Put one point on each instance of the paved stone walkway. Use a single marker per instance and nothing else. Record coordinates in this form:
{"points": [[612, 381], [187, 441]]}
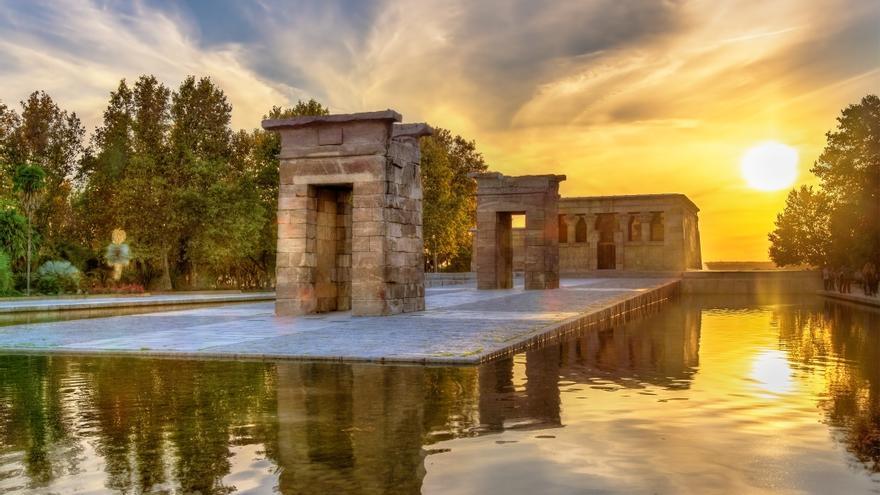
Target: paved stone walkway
{"points": [[856, 296], [37, 305], [460, 325]]}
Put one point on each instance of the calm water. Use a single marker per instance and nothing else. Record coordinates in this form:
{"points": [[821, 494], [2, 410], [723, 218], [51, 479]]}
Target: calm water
{"points": [[708, 395]]}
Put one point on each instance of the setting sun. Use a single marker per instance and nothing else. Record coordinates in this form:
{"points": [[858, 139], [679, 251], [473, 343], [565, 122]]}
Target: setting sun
{"points": [[770, 166]]}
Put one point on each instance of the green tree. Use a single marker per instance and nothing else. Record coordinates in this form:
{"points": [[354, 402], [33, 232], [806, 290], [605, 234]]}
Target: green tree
{"points": [[9, 121], [52, 138], [802, 232], [5, 274], [840, 223], [13, 232], [143, 203], [29, 182], [102, 168], [449, 198], [849, 168]]}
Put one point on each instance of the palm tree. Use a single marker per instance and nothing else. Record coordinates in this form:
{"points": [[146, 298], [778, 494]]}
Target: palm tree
{"points": [[28, 182]]}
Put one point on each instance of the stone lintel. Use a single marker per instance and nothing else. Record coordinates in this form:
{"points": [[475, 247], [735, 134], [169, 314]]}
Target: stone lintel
{"points": [[547, 180], [295, 122], [413, 130]]}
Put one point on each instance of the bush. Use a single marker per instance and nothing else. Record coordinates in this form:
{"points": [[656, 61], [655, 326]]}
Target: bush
{"points": [[57, 277], [5, 275], [13, 233]]}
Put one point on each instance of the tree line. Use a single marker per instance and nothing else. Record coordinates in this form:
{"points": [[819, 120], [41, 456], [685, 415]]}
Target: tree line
{"points": [[196, 198], [837, 224]]}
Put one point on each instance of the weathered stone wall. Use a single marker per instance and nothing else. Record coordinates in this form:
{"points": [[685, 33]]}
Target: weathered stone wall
{"points": [[371, 166], [637, 247], [678, 250], [498, 197], [757, 282]]}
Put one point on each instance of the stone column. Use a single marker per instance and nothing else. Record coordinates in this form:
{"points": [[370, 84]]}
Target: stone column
{"points": [[645, 218], [592, 242], [571, 223], [620, 239]]}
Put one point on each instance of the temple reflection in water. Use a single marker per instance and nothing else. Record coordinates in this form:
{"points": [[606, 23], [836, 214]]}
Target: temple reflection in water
{"points": [[138, 425]]}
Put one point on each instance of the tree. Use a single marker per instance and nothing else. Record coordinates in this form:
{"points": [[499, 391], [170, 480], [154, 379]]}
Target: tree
{"points": [[802, 230], [840, 223], [849, 169], [29, 182], [449, 198], [103, 166], [52, 138], [9, 121], [143, 200], [13, 232]]}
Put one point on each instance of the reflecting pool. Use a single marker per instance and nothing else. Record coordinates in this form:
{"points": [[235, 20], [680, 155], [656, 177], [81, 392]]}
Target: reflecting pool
{"points": [[707, 395]]}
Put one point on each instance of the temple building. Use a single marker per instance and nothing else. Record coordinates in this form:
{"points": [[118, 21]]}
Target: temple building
{"points": [[631, 233]]}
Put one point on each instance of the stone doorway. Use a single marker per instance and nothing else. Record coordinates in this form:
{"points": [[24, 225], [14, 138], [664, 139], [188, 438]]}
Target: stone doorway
{"points": [[333, 248], [499, 200], [365, 169], [504, 249], [605, 256], [605, 250]]}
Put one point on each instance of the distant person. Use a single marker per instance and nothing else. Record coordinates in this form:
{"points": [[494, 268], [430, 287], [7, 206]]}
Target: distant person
{"points": [[827, 278], [846, 278], [870, 279]]}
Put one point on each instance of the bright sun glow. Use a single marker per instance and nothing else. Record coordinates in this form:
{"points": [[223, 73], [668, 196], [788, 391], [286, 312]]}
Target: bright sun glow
{"points": [[772, 373], [770, 166]]}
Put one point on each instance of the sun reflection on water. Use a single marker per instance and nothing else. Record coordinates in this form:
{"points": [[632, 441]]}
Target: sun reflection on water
{"points": [[772, 372]]}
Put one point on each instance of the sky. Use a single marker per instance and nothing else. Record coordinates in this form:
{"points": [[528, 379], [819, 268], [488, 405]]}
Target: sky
{"points": [[623, 97]]}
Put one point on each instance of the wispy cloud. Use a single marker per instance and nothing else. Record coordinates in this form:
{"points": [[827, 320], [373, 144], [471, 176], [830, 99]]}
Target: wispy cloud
{"points": [[623, 96]]}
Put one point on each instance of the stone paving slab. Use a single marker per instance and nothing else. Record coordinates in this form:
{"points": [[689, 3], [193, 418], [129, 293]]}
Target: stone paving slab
{"points": [[854, 297], [25, 305], [460, 325]]}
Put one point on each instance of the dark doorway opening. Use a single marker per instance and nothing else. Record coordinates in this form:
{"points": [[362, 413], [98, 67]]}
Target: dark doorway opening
{"points": [[504, 253], [333, 248], [605, 250]]}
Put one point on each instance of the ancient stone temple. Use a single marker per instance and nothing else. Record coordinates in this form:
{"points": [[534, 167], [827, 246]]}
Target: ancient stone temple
{"points": [[499, 199], [633, 233], [601, 235], [349, 215]]}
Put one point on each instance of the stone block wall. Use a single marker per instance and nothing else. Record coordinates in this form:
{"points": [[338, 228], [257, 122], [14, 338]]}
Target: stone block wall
{"points": [[498, 197], [349, 215]]}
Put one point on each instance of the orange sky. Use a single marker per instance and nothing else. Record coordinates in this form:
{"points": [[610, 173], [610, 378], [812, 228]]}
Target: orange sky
{"points": [[622, 97]]}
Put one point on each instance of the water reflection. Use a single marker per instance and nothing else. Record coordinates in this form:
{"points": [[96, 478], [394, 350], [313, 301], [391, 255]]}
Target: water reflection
{"points": [[669, 396]]}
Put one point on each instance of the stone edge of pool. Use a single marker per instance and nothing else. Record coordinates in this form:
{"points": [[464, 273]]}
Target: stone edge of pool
{"points": [[609, 315], [119, 302]]}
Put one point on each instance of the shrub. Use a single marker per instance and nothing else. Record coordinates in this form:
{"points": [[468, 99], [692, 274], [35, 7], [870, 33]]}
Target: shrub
{"points": [[13, 232], [57, 277], [5, 275]]}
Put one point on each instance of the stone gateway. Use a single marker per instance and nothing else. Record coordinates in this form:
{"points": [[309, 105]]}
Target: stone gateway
{"points": [[499, 198], [349, 215]]}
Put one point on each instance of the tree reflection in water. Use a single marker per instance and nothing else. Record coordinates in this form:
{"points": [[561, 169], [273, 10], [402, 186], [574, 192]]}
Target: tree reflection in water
{"points": [[842, 342], [161, 425]]}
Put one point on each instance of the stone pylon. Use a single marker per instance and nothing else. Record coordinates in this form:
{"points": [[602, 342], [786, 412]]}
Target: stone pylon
{"points": [[349, 214]]}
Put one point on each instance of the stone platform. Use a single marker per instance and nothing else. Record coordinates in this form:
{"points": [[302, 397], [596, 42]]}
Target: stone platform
{"points": [[460, 326]]}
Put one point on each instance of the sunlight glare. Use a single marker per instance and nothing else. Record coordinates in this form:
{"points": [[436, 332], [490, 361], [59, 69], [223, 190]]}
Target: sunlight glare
{"points": [[772, 372], [770, 166]]}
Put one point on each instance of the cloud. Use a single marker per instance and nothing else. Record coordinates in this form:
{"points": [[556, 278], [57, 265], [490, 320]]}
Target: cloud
{"points": [[78, 51], [622, 96]]}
